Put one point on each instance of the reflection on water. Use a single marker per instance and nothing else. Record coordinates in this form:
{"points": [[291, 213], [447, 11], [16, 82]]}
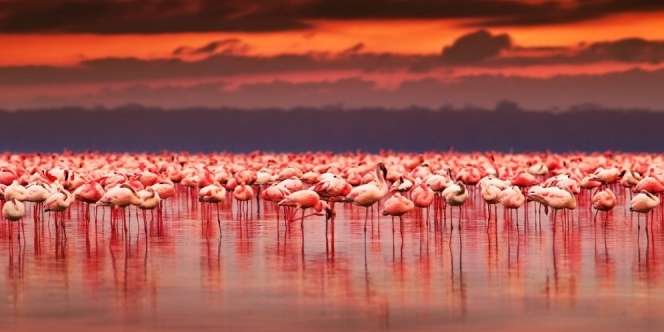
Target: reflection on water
{"points": [[416, 275]]}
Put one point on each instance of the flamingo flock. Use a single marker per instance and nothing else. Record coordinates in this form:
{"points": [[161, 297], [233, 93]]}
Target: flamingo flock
{"points": [[298, 186]]}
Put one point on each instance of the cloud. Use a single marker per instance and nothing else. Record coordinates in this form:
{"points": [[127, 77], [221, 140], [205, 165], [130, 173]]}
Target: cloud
{"points": [[484, 49], [475, 47], [357, 48], [629, 89], [626, 50], [225, 58], [231, 46], [221, 64], [145, 16], [556, 12], [229, 58], [161, 16]]}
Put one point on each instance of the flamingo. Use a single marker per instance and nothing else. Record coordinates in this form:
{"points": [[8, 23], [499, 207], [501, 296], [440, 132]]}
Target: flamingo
{"points": [[649, 184], [554, 198], [274, 193], [368, 194], [402, 185], [589, 182], [512, 198], [455, 195], [643, 203], [332, 188], [147, 178], [37, 192], [491, 196], [437, 183], [119, 197], [89, 193], [149, 200], [303, 200], [310, 177], [165, 189], [397, 206], [630, 178], [7, 176], [538, 169], [606, 175], [243, 193], [59, 202], [14, 211], [492, 180], [603, 200], [422, 197], [213, 194], [524, 180], [264, 177], [15, 191]]}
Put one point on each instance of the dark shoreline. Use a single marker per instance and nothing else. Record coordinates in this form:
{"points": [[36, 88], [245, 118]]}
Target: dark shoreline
{"points": [[137, 128]]}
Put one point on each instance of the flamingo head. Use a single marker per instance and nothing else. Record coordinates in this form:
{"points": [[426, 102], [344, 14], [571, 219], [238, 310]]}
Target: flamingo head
{"points": [[622, 173], [462, 189]]}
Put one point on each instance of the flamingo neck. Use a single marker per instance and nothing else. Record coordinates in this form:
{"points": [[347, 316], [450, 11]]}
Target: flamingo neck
{"points": [[381, 178]]}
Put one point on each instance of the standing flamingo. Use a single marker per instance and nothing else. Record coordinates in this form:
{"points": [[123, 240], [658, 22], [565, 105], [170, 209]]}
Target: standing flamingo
{"points": [[455, 195], [422, 197], [303, 200], [554, 198], [397, 206], [491, 196], [643, 203], [59, 202], [603, 200], [213, 194], [367, 195], [243, 193], [512, 198], [14, 211]]}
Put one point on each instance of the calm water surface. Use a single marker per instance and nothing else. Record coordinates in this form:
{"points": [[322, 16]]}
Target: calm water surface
{"points": [[485, 276]]}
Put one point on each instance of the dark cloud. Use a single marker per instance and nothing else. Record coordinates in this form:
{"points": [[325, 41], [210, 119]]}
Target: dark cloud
{"points": [[626, 50], [552, 12], [476, 47], [217, 65], [227, 58], [630, 89], [484, 49], [353, 49], [231, 46], [145, 16], [159, 16]]}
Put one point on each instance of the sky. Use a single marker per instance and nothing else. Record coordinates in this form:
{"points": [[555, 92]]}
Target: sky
{"points": [[544, 55]]}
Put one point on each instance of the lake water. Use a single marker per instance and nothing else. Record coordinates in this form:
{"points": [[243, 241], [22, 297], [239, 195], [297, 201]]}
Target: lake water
{"points": [[412, 276]]}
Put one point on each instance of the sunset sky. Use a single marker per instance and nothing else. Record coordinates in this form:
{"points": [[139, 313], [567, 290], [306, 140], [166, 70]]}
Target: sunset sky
{"points": [[287, 53]]}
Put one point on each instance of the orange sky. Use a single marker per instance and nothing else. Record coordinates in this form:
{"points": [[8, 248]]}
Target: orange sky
{"points": [[396, 36], [394, 52]]}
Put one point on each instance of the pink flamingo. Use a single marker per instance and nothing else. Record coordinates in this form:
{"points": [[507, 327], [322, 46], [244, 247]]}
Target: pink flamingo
{"points": [[422, 197], [368, 194], [603, 200]]}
